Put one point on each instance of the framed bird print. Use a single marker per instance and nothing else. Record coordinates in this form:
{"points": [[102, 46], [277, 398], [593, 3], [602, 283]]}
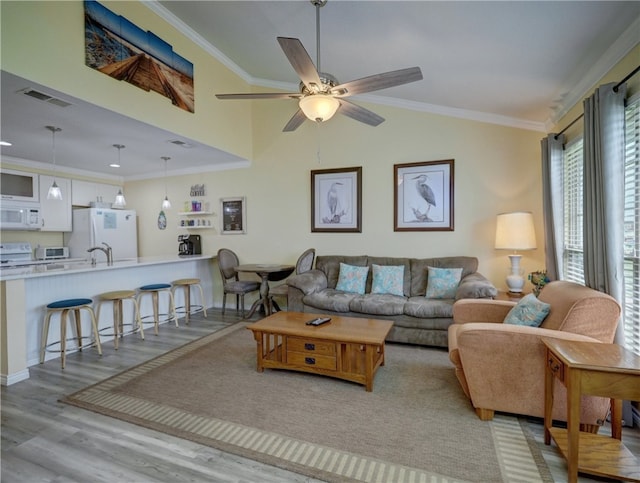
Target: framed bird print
{"points": [[423, 196], [336, 200]]}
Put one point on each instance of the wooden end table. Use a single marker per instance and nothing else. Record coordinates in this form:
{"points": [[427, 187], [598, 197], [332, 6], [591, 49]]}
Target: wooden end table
{"points": [[347, 348], [597, 369]]}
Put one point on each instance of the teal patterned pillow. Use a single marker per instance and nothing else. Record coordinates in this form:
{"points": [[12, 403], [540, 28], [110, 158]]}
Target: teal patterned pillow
{"points": [[529, 311], [352, 278], [388, 279], [443, 282]]}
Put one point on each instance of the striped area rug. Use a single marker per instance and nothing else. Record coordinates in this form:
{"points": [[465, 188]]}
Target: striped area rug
{"points": [[510, 455]]}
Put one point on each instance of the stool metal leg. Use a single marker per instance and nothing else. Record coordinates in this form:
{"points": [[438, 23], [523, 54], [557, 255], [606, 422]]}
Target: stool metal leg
{"points": [[45, 335]]}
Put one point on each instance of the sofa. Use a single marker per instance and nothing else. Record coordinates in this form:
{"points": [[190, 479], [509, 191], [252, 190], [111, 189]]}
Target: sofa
{"points": [[417, 319], [501, 367]]}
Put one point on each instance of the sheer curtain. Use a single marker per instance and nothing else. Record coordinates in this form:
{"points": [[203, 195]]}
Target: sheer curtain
{"points": [[552, 147], [604, 193]]}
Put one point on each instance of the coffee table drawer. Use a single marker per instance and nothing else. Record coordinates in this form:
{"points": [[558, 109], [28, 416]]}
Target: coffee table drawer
{"points": [[315, 346], [305, 359]]}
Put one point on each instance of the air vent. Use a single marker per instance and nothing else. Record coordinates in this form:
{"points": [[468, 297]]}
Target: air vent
{"points": [[41, 96], [182, 144]]}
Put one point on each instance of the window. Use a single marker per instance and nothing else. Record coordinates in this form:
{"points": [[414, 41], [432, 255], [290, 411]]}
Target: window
{"points": [[632, 227], [573, 267]]}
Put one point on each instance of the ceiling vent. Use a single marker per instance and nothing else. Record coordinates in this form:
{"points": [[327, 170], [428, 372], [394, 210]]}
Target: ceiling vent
{"points": [[182, 144], [41, 96]]}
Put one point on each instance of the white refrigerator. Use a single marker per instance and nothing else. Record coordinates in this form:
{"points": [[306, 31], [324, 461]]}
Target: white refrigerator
{"points": [[94, 226]]}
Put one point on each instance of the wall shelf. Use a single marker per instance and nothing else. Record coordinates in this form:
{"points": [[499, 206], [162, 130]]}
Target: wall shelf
{"points": [[194, 213]]}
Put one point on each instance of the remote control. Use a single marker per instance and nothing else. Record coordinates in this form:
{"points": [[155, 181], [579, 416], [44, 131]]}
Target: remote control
{"points": [[319, 321]]}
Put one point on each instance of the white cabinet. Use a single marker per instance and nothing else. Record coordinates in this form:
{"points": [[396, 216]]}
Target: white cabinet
{"points": [[55, 214], [84, 192]]}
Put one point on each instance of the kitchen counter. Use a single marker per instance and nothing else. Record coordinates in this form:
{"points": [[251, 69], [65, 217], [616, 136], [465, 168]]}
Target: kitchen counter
{"points": [[56, 267], [26, 290]]}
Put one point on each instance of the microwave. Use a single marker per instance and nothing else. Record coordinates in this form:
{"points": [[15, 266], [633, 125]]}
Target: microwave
{"points": [[19, 186], [51, 253], [15, 216]]}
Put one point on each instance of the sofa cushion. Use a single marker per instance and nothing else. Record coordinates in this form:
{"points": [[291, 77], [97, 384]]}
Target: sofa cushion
{"points": [[424, 308], [329, 299], [352, 279], [475, 286], [419, 270], [387, 279], [443, 282], [330, 265], [378, 304], [528, 311], [391, 261]]}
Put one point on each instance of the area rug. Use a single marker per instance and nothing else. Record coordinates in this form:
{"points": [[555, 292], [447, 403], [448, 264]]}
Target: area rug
{"points": [[415, 426]]}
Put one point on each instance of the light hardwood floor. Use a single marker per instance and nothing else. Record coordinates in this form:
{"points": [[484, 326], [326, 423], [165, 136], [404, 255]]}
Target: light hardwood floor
{"points": [[47, 441]]}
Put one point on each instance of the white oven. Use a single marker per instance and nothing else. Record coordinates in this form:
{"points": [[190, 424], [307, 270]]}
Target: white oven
{"points": [[16, 216], [19, 186]]}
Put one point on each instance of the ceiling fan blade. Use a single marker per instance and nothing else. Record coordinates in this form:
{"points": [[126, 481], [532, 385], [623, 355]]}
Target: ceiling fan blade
{"points": [[295, 122], [378, 81], [263, 95], [359, 113], [301, 62]]}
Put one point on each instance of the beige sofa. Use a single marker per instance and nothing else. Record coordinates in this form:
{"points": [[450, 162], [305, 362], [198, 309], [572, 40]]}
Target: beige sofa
{"points": [[416, 319], [501, 366]]}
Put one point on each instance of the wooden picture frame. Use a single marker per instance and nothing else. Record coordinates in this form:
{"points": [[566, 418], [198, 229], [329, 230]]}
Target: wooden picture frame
{"points": [[233, 216], [423, 196], [336, 200]]}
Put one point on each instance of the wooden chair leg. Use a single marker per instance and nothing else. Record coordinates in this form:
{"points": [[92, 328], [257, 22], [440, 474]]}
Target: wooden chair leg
{"points": [[485, 414]]}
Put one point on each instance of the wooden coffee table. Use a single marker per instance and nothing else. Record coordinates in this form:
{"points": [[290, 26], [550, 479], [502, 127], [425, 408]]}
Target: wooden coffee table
{"points": [[347, 348]]}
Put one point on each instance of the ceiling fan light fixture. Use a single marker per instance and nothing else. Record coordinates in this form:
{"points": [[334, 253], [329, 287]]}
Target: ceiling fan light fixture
{"points": [[319, 107]]}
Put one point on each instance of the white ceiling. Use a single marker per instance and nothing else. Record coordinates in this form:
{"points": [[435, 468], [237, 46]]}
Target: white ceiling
{"points": [[516, 63]]}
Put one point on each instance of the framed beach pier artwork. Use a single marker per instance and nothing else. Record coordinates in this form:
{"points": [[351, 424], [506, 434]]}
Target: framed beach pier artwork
{"points": [[336, 200], [423, 196]]}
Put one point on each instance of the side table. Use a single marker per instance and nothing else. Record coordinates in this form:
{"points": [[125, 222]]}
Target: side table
{"points": [[597, 369], [509, 296]]}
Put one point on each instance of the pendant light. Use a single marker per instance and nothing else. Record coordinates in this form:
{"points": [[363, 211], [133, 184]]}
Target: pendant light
{"points": [[119, 202], [166, 204], [54, 192]]}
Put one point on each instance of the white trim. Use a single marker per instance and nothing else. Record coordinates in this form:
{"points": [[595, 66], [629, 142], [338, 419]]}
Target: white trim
{"points": [[195, 170], [15, 377], [47, 167]]}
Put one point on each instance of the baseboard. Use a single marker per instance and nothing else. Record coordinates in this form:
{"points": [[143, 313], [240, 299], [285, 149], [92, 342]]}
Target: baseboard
{"points": [[13, 378]]}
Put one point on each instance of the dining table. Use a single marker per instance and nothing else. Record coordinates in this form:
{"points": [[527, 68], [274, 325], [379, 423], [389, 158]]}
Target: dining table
{"points": [[266, 272]]}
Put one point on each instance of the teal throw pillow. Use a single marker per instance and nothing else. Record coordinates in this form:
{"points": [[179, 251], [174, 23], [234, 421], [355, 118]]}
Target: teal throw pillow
{"points": [[388, 279], [352, 279], [528, 311], [443, 282]]}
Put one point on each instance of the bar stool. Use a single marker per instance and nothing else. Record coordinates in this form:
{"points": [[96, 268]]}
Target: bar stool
{"points": [[155, 290], [117, 299], [188, 308], [63, 307]]}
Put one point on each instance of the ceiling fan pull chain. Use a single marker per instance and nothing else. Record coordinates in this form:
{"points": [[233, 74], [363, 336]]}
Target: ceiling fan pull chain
{"points": [[318, 141]]}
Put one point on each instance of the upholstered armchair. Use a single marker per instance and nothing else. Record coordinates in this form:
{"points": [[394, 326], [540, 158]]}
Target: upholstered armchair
{"points": [[501, 366]]}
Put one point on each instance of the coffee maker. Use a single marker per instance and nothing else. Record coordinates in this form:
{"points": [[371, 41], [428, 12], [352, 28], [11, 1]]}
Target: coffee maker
{"points": [[189, 245]]}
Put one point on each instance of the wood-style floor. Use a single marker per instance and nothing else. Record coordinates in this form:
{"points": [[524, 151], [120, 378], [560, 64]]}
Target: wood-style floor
{"points": [[46, 441]]}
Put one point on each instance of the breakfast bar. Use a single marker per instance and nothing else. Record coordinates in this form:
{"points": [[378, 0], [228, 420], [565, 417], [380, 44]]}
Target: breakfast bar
{"points": [[26, 290]]}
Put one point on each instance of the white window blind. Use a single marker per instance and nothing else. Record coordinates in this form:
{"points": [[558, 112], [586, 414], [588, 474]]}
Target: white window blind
{"points": [[632, 227], [573, 266]]}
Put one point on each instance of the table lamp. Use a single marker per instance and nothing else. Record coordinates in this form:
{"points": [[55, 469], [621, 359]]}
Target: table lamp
{"points": [[514, 231]]}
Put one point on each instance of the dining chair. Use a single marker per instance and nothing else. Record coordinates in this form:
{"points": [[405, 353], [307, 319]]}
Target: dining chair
{"points": [[227, 261], [304, 264]]}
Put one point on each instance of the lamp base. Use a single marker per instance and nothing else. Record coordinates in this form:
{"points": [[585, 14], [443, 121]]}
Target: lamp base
{"points": [[515, 280]]}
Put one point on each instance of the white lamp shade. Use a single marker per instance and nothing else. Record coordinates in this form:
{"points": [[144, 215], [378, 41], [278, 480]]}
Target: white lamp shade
{"points": [[166, 204], [119, 202], [514, 231], [319, 107], [54, 192]]}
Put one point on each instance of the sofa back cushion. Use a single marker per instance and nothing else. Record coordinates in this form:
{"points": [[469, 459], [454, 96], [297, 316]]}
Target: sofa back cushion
{"points": [[581, 310], [420, 270]]}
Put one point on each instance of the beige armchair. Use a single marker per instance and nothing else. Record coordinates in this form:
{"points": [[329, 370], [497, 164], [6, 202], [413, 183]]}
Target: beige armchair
{"points": [[501, 366]]}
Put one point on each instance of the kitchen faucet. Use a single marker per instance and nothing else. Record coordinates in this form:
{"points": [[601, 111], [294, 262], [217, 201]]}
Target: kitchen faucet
{"points": [[107, 251]]}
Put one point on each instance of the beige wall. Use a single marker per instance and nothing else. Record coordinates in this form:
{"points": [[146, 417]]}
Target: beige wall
{"points": [[497, 168]]}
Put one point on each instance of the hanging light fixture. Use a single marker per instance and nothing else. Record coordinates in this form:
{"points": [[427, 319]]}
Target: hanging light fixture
{"points": [[54, 192], [166, 204], [120, 202]]}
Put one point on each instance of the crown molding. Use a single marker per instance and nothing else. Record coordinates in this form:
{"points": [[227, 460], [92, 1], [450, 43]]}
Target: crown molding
{"points": [[48, 168]]}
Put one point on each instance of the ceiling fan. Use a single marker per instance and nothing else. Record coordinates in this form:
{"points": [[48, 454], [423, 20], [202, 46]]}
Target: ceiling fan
{"points": [[321, 96]]}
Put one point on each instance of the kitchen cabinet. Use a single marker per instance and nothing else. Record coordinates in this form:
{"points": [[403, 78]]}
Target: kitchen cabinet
{"points": [[84, 192], [55, 215]]}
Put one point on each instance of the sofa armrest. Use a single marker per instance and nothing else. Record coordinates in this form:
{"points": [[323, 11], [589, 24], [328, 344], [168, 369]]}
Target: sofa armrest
{"points": [[475, 286], [308, 282], [481, 310]]}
